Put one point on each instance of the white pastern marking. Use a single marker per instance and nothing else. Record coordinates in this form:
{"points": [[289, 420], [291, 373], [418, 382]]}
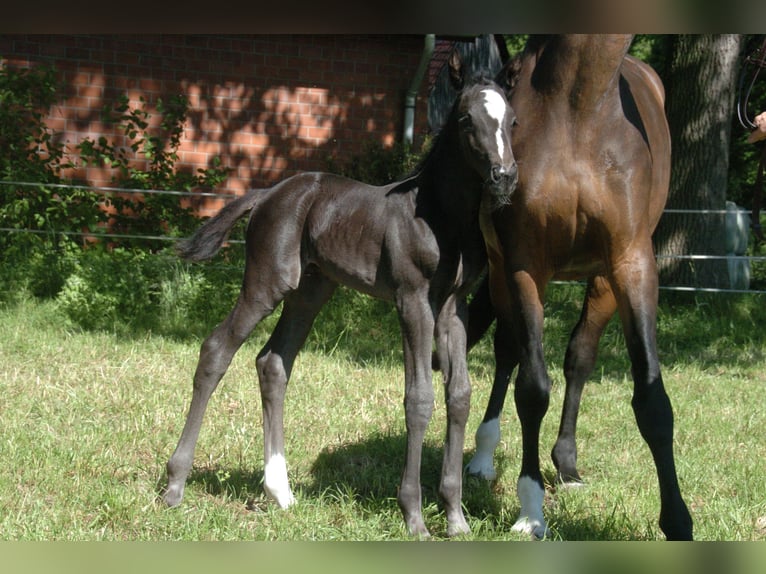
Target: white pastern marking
{"points": [[275, 481], [495, 106], [487, 439], [531, 520]]}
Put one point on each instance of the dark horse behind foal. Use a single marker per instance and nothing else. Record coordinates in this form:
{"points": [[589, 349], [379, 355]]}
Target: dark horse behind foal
{"points": [[416, 242], [593, 150]]}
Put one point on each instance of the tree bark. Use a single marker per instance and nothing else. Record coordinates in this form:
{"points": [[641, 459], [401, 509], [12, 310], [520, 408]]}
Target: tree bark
{"points": [[700, 86]]}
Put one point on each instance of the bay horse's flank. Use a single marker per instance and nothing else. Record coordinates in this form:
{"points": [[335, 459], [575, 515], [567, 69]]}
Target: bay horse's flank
{"points": [[593, 150], [416, 242]]}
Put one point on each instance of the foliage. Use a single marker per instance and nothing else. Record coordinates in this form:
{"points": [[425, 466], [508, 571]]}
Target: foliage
{"points": [[56, 217], [378, 164], [127, 290], [31, 152], [515, 43], [150, 214]]}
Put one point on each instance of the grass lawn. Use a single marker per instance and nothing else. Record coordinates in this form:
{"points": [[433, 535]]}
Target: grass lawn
{"points": [[90, 418]]}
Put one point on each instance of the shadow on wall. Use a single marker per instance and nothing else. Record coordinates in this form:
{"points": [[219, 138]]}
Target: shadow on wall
{"points": [[268, 106]]}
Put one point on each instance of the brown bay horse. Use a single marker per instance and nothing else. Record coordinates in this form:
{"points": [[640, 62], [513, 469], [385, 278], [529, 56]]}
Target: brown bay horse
{"points": [[416, 242], [593, 152]]}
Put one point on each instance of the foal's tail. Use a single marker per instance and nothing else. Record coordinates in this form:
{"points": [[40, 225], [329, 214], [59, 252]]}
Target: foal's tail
{"points": [[209, 238]]}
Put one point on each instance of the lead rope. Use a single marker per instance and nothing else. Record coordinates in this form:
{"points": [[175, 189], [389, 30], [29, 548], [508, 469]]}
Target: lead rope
{"points": [[758, 60]]}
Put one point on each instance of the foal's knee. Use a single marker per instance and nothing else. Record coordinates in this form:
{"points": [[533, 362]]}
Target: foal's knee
{"points": [[418, 408], [459, 402], [271, 373]]}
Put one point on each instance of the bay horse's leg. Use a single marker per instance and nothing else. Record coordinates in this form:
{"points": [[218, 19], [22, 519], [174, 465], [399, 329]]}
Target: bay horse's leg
{"points": [[451, 349], [531, 394], [597, 310], [488, 434], [636, 285], [417, 324], [274, 365], [215, 356]]}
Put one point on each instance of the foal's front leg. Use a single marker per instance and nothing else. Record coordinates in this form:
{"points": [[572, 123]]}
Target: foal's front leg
{"points": [[451, 350], [417, 326]]}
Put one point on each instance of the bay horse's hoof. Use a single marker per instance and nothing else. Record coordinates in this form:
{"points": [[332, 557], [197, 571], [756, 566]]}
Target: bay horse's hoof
{"points": [[535, 528], [481, 466]]}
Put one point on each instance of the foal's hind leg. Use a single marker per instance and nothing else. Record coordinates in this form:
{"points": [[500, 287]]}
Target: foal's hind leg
{"points": [[451, 350], [215, 357], [275, 363], [598, 308]]}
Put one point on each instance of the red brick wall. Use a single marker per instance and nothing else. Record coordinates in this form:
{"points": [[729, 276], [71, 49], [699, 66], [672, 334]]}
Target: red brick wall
{"points": [[269, 106]]}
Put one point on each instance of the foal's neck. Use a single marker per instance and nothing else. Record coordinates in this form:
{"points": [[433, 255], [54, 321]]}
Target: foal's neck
{"points": [[450, 183]]}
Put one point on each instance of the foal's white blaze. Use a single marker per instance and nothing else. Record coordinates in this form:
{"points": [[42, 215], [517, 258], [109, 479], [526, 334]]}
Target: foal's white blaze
{"points": [[495, 106], [275, 481], [531, 520], [487, 439]]}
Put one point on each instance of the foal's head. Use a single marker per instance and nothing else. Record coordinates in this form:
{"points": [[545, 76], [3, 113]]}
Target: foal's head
{"points": [[485, 120]]}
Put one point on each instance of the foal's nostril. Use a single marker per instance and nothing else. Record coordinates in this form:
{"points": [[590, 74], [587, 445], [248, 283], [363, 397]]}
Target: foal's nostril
{"points": [[499, 174]]}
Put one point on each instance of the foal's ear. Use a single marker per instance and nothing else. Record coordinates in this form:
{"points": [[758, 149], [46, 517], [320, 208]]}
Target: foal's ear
{"points": [[508, 76], [456, 70]]}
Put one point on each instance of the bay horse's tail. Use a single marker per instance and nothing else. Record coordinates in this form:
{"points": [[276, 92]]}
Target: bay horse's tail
{"points": [[209, 238]]}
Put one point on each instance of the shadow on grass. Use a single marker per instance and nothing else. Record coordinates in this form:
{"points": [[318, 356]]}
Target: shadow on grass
{"points": [[370, 471], [367, 475], [234, 483]]}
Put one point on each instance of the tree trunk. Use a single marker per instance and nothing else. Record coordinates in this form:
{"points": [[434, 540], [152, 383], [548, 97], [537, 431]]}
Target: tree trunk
{"points": [[700, 85]]}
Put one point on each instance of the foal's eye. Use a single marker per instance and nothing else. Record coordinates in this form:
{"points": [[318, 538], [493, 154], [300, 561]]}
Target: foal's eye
{"points": [[465, 123]]}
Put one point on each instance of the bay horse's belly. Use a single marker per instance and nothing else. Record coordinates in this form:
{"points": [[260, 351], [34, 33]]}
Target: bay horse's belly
{"points": [[581, 268]]}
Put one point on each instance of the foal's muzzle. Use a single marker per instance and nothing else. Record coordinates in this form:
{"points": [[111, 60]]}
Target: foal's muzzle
{"points": [[502, 182]]}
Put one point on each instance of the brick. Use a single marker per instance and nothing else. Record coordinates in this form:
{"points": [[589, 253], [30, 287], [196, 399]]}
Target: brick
{"points": [[265, 104]]}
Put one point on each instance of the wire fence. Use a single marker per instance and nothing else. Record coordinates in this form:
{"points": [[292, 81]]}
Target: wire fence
{"points": [[109, 191]]}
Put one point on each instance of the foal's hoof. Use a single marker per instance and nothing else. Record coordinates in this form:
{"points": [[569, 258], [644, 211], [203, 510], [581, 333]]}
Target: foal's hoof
{"points": [[173, 495], [283, 497], [417, 528], [458, 529], [420, 533]]}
